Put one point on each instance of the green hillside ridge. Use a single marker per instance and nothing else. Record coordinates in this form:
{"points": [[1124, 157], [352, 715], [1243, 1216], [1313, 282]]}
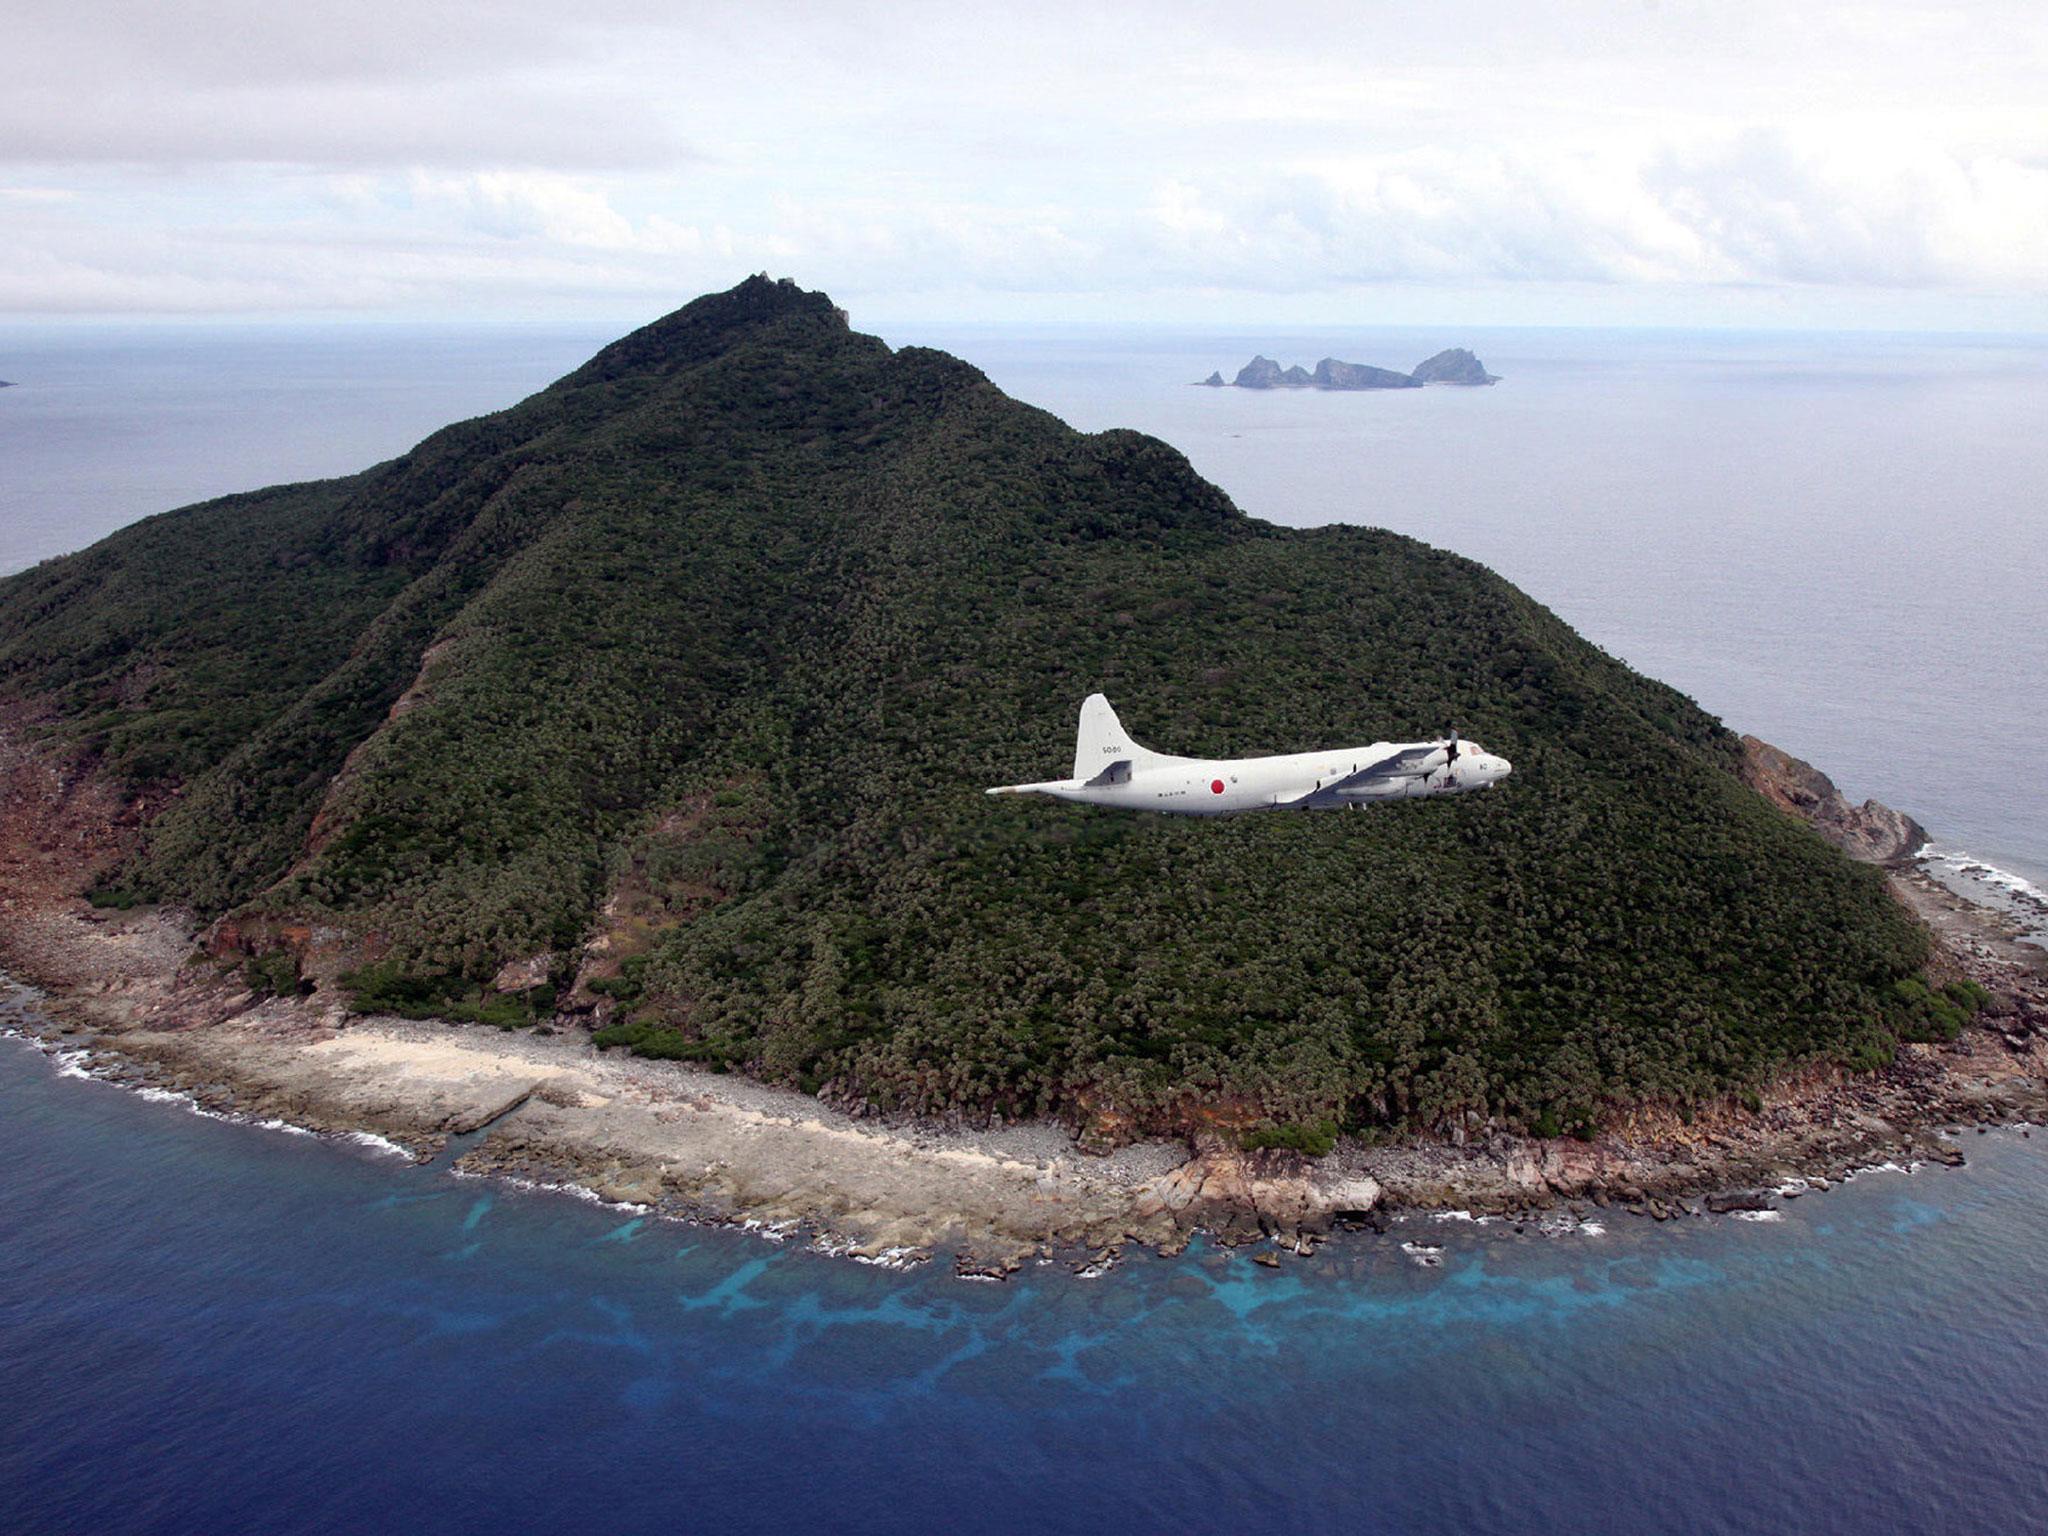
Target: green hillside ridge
{"points": [[724, 633]]}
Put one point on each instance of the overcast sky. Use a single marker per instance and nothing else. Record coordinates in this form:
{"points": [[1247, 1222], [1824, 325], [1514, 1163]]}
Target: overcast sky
{"points": [[1871, 163]]}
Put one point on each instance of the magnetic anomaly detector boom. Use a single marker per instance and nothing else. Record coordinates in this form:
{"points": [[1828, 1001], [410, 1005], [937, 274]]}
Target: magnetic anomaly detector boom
{"points": [[1110, 769]]}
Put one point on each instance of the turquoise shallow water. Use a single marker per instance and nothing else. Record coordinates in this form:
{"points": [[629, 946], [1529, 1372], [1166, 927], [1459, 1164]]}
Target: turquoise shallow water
{"points": [[208, 1326]]}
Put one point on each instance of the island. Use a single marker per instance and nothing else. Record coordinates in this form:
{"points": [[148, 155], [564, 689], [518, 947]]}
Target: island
{"points": [[1454, 366], [599, 782]]}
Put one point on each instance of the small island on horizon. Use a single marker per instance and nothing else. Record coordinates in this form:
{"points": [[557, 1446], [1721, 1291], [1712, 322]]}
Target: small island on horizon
{"points": [[1454, 365]]}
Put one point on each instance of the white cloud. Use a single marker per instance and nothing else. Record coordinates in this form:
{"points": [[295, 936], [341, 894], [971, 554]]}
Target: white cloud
{"points": [[438, 156], [382, 83], [550, 207], [1761, 205]]}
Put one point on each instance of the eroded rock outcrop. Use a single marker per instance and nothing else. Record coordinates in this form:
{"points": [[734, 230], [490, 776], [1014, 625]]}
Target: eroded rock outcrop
{"points": [[1872, 832], [1332, 374], [1241, 1195], [1454, 365], [1260, 373]]}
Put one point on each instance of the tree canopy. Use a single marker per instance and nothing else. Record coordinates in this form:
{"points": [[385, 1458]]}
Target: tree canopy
{"points": [[709, 649]]}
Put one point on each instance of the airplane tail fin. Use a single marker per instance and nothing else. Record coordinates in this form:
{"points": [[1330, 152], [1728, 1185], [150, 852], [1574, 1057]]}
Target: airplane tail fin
{"points": [[1102, 740]]}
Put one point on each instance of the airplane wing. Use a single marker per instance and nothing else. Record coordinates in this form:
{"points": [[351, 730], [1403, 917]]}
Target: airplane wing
{"points": [[1408, 763]]}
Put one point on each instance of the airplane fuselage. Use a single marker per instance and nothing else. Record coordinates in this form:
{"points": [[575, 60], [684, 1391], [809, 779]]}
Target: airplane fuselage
{"points": [[1112, 771], [1225, 786]]}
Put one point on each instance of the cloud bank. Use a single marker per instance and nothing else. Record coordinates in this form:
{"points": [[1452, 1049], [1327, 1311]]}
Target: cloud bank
{"points": [[445, 158]]}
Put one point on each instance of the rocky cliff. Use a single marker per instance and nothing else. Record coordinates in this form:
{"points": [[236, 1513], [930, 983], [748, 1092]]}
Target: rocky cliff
{"points": [[1874, 833]]}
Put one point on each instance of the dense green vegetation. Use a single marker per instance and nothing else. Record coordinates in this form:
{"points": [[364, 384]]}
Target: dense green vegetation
{"points": [[711, 647]]}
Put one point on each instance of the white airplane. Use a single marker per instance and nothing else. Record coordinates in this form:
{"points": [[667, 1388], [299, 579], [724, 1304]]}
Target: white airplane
{"points": [[1110, 769]]}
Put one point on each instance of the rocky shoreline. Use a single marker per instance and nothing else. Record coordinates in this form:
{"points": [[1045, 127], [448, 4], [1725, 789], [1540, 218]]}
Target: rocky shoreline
{"points": [[551, 1110], [544, 1106]]}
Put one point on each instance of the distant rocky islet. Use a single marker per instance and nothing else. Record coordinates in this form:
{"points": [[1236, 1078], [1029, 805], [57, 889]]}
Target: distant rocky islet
{"points": [[1454, 365]]}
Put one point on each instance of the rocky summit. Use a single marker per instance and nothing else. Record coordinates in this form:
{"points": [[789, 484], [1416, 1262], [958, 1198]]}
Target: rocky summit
{"points": [[659, 705]]}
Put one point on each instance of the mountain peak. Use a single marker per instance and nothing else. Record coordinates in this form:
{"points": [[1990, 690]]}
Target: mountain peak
{"points": [[706, 327]]}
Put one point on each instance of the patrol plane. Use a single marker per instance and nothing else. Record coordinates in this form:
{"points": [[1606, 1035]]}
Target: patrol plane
{"points": [[1110, 769]]}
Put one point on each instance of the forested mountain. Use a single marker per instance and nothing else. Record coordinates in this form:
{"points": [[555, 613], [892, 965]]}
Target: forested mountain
{"points": [[685, 675]]}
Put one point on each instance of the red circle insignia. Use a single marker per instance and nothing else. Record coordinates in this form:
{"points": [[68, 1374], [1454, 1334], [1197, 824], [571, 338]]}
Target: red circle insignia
{"points": [[1215, 786]]}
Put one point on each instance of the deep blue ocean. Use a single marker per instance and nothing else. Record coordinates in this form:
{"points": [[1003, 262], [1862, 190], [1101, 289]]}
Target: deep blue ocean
{"points": [[207, 1327], [1836, 542]]}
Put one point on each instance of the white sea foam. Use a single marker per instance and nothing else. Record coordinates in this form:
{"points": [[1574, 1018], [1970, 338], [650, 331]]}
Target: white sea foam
{"points": [[2013, 890], [68, 1060], [836, 1245], [1592, 1229], [186, 1102], [513, 1181], [1979, 869], [537, 1186], [377, 1143], [893, 1258], [1428, 1255], [77, 1062], [1758, 1215]]}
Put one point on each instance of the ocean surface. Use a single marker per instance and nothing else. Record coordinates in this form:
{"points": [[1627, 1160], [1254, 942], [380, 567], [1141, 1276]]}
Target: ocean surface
{"points": [[1833, 541], [209, 1327]]}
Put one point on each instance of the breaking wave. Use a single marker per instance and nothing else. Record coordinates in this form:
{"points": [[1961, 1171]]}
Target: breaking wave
{"points": [[2005, 889]]}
